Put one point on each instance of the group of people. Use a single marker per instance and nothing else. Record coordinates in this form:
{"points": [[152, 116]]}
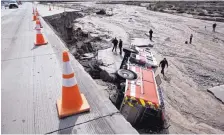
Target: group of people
{"points": [[162, 63], [115, 42], [120, 44], [213, 29]]}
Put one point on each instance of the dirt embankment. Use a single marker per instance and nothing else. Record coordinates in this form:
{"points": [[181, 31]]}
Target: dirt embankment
{"points": [[81, 43], [192, 67]]}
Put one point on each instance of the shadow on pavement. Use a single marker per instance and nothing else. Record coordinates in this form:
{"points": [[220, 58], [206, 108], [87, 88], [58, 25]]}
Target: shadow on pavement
{"points": [[34, 47]]}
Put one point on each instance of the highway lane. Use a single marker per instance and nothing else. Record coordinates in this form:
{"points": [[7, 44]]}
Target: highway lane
{"points": [[16, 73], [25, 68]]}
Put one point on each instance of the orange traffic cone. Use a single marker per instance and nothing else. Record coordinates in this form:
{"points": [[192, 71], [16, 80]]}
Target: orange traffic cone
{"points": [[34, 17], [37, 14], [72, 101], [39, 38], [38, 23]]}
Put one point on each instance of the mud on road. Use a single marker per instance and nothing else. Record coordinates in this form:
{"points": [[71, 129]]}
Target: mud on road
{"points": [[193, 68]]}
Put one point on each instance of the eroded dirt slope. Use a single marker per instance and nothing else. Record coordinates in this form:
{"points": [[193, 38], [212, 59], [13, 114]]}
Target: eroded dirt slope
{"points": [[192, 67]]}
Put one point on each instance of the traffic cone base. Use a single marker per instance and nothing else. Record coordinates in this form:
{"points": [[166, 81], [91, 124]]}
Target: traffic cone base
{"points": [[41, 44], [64, 112], [40, 40]]}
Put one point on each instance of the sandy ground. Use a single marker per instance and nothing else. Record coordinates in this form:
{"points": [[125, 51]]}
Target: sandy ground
{"points": [[193, 68]]}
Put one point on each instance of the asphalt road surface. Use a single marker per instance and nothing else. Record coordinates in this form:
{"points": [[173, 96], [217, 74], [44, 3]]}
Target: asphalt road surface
{"points": [[25, 71]]}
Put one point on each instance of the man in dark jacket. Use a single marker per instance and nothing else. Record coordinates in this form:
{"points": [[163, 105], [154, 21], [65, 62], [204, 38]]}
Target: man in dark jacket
{"points": [[163, 63], [214, 26], [191, 38], [150, 34], [115, 42], [120, 46]]}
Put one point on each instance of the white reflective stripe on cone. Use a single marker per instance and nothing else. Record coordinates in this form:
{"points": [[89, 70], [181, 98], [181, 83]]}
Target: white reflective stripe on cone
{"points": [[37, 26], [38, 31], [67, 69], [69, 82]]}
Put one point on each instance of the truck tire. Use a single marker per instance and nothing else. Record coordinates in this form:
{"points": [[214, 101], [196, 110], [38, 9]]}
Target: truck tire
{"points": [[127, 74]]}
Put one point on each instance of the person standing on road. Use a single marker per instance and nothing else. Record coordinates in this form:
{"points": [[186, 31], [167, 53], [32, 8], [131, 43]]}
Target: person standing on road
{"points": [[120, 46], [163, 63], [191, 38], [214, 26], [115, 42], [150, 34]]}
